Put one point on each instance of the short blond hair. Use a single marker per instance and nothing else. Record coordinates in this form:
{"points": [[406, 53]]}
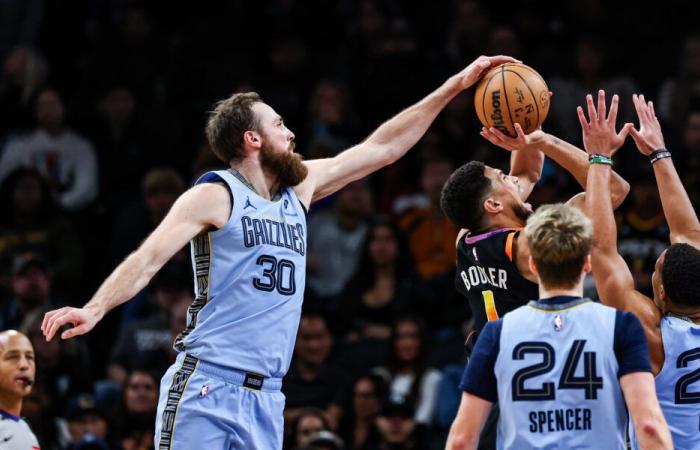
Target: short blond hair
{"points": [[559, 238]]}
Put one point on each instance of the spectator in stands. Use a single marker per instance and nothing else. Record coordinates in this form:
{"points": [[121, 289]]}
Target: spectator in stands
{"points": [[677, 94], [312, 380], [308, 423], [63, 367], [23, 73], [383, 287], [139, 402], [148, 342], [410, 378], [64, 157], [335, 239], [642, 230], [590, 74], [87, 422], [160, 188], [397, 427], [31, 291], [32, 222], [431, 235], [358, 427], [124, 152]]}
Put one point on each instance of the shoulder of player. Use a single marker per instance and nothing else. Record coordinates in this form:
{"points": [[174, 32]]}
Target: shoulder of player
{"points": [[209, 202]]}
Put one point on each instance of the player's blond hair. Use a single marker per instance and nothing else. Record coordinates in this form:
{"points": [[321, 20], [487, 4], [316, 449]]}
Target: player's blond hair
{"points": [[559, 238]]}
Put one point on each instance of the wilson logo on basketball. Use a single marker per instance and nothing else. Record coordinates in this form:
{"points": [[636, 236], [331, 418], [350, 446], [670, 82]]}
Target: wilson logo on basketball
{"points": [[497, 115]]}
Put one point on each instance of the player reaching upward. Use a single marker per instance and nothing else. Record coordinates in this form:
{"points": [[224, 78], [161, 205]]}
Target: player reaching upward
{"points": [[489, 206], [671, 320], [563, 369], [248, 231]]}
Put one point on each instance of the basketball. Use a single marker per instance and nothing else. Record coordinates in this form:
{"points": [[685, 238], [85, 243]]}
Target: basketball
{"points": [[510, 94]]}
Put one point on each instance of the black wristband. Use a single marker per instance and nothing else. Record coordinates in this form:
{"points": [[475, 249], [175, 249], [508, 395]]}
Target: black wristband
{"points": [[659, 154]]}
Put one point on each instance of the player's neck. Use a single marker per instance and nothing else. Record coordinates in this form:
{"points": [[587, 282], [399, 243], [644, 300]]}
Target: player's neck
{"points": [[264, 182], [499, 221], [10, 403], [576, 291], [693, 316]]}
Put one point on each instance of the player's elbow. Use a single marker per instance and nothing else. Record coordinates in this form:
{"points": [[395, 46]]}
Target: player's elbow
{"points": [[460, 441], [653, 433], [619, 193]]}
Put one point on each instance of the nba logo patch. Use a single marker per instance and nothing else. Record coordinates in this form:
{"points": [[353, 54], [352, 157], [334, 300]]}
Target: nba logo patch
{"points": [[476, 258], [558, 323], [204, 391]]}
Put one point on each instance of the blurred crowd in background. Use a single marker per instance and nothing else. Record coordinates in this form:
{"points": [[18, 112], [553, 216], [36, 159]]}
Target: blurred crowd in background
{"points": [[102, 108]]}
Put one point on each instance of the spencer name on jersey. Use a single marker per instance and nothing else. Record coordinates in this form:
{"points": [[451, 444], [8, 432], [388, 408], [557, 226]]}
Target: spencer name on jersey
{"points": [[569, 419], [273, 231], [476, 275]]}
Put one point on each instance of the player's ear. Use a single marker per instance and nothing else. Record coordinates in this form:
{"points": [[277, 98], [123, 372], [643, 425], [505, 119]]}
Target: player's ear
{"points": [[532, 266], [587, 266], [252, 138], [492, 205]]}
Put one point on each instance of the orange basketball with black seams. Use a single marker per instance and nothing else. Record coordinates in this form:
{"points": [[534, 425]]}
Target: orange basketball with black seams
{"points": [[509, 94]]}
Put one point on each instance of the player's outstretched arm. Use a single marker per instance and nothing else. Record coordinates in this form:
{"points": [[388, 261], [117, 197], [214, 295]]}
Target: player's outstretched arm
{"points": [[195, 211], [613, 278], [392, 139], [466, 428], [649, 423], [571, 158], [679, 212]]}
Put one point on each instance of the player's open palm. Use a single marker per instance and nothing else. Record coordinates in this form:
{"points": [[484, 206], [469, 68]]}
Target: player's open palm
{"points": [[82, 319], [599, 135], [521, 142], [649, 137]]}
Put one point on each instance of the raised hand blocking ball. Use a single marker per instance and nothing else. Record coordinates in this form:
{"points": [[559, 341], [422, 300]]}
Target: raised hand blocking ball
{"points": [[512, 93]]}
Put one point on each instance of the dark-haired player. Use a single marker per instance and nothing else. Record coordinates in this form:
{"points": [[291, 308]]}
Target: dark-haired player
{"points": [[565, 371], [671, 320], [489, 206]]}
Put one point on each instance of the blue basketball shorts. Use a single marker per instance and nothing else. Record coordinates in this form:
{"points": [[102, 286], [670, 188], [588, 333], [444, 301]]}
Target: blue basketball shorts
{"points": [[204, 406]]}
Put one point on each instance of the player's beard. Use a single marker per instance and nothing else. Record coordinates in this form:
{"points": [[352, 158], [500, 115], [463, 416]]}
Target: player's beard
{"points": [[522, 212], [288, 166]]}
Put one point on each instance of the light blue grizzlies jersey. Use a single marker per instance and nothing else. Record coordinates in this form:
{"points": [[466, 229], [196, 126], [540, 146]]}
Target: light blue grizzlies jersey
{"points": [[554, 365], [249, 283], [678, 382]]}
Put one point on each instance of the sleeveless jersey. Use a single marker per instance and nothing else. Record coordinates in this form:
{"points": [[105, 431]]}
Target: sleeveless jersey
{"points": [[678, 382], [249, 283], [553, 366], [488, 277]]}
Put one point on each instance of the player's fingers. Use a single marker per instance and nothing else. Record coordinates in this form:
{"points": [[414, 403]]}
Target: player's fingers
{"points": [[644, 107], [637, 107], [636, 137], [626, 129], [47, 318], [601, 104], [592, 114], [519, 132], [57, 323], [614, 105], [582, 119], [502, 137], [501, 59], [75, 331]]}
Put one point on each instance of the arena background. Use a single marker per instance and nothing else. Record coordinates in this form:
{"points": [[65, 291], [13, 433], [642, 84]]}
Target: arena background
{"points": [[123, 87]]}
